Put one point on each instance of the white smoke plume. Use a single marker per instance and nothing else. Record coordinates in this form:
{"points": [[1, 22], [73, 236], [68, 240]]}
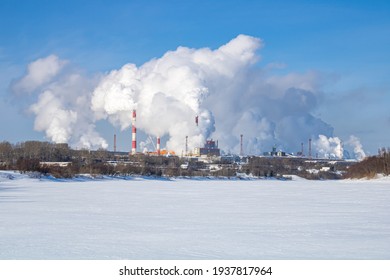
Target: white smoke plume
{"points": [[230, 96], [354, 142], [169, 92], [62, 109], [55, 120], [333, 147], [329, 147], [226, 88], [39, 72]]}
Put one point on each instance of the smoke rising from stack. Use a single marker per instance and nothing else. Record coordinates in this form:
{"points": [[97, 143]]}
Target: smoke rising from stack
{"points": [[225, 89], [329, 147], [357, 147]]}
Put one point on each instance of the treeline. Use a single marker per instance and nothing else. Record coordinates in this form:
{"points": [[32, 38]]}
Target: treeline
{"points": [[371, 166], [30, 156], [41, 157], [303, 167]]}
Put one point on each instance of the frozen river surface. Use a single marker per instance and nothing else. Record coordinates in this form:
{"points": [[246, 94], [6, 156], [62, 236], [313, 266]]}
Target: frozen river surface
{"points": [[140, 218]]}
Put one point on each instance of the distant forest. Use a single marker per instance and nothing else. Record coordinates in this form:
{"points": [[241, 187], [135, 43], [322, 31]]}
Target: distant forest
{"points": [[371, 166], [41, 157]]}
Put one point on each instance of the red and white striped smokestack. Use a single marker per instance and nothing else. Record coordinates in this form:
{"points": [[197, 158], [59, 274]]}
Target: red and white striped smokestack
{"points": [[158, 145], [134, 134]]}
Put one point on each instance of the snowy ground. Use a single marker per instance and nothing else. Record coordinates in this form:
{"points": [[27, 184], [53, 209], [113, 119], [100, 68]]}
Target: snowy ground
{"points": [[193, 219]]}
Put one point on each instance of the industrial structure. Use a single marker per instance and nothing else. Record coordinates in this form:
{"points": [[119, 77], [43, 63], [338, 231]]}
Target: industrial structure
{"points": [[134, 134], [210, 149], [186, 146], [275, 153], [241, 147], [114, 143], [158, 146]]}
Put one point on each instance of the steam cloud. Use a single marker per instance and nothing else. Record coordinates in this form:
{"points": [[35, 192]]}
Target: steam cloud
{"points": [[357, 147], [62, 109], [224, 87], [39, 72], [329, 147]]}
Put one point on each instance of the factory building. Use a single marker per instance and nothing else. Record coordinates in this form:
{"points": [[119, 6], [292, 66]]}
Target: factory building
{"points": [[275, 153], [210, 149]]}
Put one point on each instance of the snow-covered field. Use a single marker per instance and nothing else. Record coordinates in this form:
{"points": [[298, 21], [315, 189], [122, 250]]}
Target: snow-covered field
{"points": [[140, 218]]}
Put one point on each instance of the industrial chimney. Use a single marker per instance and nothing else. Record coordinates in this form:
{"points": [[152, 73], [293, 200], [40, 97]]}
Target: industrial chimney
{"points": [[134, 134], [114, 143], [241, 148], [186, 146], [158, 145]]}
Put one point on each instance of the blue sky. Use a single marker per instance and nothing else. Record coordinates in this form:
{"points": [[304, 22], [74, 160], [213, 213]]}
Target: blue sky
{"points": [[347, 41]]}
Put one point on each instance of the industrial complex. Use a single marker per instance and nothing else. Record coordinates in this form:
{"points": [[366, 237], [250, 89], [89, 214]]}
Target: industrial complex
{"points": [[209, 149], [60, 160]]}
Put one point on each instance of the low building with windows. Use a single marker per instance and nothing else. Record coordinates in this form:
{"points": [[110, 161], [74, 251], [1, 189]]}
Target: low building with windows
{"points": [[210, 149]]}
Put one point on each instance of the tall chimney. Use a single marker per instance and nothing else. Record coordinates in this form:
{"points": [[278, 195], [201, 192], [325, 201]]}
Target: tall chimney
{"points": [[241, 149], [114, 143], [134, 134], [302, 149], [158, 145], [186, 146], [310, 148]]}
